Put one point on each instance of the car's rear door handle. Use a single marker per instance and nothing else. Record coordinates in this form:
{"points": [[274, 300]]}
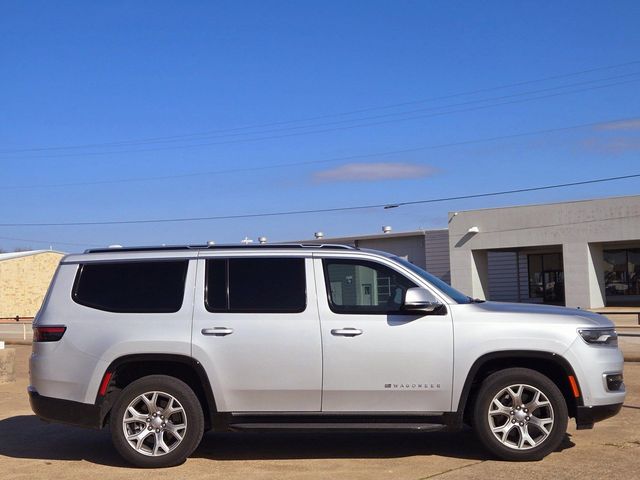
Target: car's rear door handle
{"points": [[346, 332], [217, 331]]}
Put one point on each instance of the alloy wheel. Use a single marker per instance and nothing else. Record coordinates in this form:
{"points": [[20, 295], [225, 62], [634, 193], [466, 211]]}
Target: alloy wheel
{"points": [[521, 416], [154, 423]]}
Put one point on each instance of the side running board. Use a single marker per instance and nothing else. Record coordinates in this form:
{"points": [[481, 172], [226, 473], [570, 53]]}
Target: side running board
{"points": [[336, 427]]}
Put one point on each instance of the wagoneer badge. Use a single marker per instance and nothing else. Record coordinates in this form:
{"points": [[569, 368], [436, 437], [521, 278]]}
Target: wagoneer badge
{"points": [[412, 386]]}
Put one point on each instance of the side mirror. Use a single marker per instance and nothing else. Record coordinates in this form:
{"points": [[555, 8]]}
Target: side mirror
{"points": [[419, 299]]}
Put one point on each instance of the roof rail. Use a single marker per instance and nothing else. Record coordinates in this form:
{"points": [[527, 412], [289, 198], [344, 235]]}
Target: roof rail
{"points": [[274, 246]]}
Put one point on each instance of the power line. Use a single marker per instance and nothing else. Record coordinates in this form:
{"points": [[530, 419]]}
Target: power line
{"points": [[175, 138], [408, 112], [325, 130], [325, 210], [320, 161], [352, 112]]}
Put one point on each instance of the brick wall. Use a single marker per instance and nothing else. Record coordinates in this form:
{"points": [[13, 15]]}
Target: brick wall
{"points": [[24, 282]]}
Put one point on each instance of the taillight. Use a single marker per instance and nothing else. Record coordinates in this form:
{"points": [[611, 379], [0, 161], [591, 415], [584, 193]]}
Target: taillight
{"points": [[48, 334]]}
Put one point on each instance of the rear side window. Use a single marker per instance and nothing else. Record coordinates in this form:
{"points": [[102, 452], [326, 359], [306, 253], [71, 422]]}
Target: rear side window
{"points": [[132, 287], [266, 285]]}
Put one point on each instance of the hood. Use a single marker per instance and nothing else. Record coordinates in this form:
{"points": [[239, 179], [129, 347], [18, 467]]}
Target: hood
{"points": [[559, 313]]}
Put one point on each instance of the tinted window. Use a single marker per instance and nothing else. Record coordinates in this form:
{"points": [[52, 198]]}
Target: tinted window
{"points": [[364, 287], [546, 277], [133, 287], [622, 276], [268, 285]]}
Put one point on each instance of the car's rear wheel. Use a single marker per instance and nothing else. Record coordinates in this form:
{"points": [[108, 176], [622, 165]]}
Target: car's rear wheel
{"points": [[520, 414], [157, 421]]}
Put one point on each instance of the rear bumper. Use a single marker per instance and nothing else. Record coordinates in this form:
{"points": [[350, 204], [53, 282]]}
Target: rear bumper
{"points": [[65, 411], [587, 416]]}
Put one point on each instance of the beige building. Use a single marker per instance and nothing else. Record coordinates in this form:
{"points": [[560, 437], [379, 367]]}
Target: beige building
{"points": [[24, 279]]}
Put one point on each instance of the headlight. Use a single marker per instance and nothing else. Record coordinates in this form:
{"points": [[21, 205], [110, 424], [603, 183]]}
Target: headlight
{"points": [[600, 336]]}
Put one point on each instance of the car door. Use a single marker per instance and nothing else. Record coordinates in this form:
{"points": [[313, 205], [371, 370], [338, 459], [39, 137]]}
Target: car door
{"points": [[256, 331], [377, 357]]}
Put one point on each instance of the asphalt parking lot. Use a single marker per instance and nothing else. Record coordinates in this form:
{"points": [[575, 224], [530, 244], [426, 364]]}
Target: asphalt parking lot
{"points": [[30, 448]]}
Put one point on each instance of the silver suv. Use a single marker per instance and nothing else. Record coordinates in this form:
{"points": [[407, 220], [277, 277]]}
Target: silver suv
{"points": [[164, 343]]}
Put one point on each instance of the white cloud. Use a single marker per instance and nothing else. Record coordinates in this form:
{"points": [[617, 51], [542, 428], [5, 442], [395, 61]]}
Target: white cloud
{"points": [[631, 124], [373, 172], [612, 146]]}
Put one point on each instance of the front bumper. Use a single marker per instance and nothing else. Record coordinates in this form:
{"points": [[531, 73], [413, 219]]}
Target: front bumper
{"points": [[587, 416], [65, 411]]}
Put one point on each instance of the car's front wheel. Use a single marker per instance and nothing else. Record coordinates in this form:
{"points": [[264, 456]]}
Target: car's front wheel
{"points": [[157, 421], [520, 414]]}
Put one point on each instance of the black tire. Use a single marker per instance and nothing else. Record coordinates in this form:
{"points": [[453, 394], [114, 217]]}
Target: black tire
{"points": [[509, 446], [190, 415]]}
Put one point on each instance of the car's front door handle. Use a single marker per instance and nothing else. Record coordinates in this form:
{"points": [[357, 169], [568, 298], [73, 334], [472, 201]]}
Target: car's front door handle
{"points": [[217, 331], [346, 332]]}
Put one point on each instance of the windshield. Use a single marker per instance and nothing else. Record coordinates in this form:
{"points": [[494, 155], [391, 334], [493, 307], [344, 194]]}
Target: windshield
{"points": [[447, 289]]}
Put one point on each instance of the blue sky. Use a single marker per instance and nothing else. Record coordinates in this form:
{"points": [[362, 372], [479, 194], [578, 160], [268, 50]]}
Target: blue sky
{"points": [[97, 97]]}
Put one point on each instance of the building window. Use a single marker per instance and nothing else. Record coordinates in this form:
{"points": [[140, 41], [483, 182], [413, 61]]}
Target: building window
{"points": [[546, 277], [622, 272]]}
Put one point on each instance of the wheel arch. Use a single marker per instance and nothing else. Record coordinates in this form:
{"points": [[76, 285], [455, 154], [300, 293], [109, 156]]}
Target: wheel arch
{"points": [[552, 365], [126, 369]]}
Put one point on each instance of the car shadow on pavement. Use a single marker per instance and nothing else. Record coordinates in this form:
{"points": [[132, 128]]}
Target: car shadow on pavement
{"points": [[28, 437], [292, 446]]}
